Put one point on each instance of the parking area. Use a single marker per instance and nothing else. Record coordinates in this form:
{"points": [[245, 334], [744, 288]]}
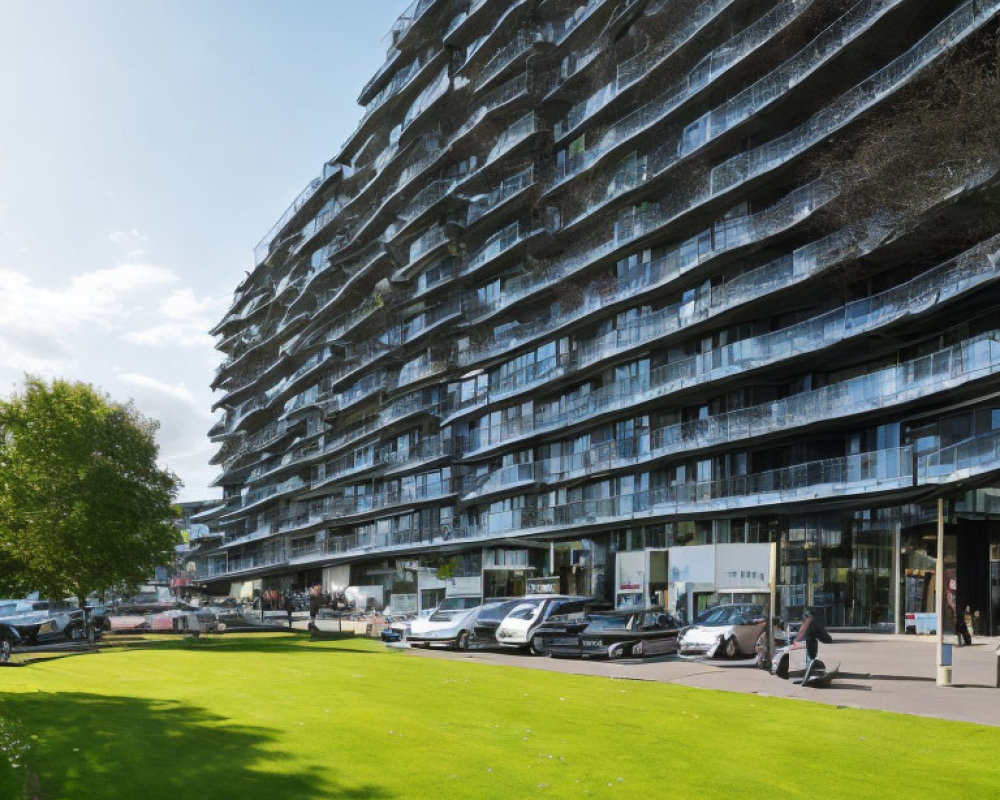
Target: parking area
{"points": [[877, 671]]}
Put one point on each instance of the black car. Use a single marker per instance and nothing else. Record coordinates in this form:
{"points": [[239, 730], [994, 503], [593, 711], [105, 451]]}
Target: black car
{"points": [[609, 634]]}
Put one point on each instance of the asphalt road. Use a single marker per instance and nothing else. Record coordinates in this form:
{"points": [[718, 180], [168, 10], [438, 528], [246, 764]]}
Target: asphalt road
{"points": [[877, 671]]}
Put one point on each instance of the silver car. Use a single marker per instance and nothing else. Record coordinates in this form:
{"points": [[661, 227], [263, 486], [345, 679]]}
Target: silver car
{"points": [[728, 630]]}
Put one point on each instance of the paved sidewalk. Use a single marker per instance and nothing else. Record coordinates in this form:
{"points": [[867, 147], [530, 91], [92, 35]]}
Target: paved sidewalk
{"points": [[878, 671]]}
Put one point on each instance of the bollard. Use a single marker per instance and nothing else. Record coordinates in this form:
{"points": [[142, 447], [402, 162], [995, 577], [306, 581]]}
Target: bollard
{"points": [[998, 666]]}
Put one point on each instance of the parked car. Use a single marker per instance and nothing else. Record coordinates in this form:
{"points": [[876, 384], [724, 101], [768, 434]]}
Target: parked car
{"points": [[38, 621], [484, 629], [98, 614], [519, 626], [9, 639], [730, 630], [609, 634], [448, 625], [397, 628]]}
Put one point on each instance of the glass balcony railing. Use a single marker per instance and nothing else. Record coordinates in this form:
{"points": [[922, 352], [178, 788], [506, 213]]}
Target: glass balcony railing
{"points": [[417, 370], [447, 309], [496, 245], [432, 239], [858, 19], [519, 45], [968, 18], [435, 90], [483, 204], [427, 197], [814, 481], [513, 136], [951, 279], [263, 248], [635, 68], [582, 13], [659, 272], [368, 541], [942, 371], [713, 65], [972, 457], [387, 498]]}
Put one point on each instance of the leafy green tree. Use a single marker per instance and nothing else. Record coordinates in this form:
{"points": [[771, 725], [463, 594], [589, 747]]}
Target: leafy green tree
{"points": [[83, 505]]}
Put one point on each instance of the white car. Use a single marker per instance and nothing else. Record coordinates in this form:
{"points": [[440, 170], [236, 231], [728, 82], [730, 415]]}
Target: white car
{"points": [[518, 627], [729, 630], [447, 625]]}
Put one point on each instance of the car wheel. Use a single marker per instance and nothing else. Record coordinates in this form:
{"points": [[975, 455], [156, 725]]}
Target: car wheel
{"points": [[462, 642], [536, 647], [5, 649], [730, 649]]}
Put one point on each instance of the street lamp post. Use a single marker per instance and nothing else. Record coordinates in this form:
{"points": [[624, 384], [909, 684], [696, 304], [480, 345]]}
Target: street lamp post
{"points": [[943, 669]]}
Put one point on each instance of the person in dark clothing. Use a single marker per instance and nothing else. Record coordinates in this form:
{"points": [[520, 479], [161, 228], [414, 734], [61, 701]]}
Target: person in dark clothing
{"points": [[315, 599], [962, 629], [813, 631], [289, 607]]}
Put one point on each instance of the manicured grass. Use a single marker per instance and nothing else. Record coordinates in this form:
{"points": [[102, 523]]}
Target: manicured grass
{"points": [[276, 717]]}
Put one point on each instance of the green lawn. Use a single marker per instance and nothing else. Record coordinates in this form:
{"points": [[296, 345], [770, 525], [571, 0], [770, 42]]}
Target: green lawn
{"points": [[276, 717]]}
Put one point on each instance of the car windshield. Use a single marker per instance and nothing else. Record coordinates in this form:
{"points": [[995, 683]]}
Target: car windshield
{"points": [[459, 603], [446, 614], [525, 611], [498, 611], [607, 621], [565, 608], [729, 615]]}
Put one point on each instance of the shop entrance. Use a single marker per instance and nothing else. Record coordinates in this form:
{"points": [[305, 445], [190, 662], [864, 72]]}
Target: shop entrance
{"points": [[975, 574]]}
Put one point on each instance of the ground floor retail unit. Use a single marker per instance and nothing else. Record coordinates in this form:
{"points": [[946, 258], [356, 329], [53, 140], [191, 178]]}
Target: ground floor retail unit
{"points": [[861, 568]]}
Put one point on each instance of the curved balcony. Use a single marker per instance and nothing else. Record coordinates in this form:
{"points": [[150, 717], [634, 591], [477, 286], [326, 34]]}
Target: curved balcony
{"points": [[509, 55], [724, 238], [264, 247], [485, 204], [478, 46], [379, 501], [579, 20], [748, 103], [944, 283], [499, 244], [944, 371], [708, 69], [965, 21], [492, 103], [386, 461], [811, 484], [419, 370], [462, 21], [258, 497]]}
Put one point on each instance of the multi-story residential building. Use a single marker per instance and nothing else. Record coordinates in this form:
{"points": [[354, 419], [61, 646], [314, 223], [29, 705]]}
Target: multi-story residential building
{"points": [[605, 276]]}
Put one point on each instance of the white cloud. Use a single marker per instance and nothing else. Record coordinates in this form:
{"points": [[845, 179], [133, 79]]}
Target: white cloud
{"points": [[179, 391], [187, 320], [131, 236]]}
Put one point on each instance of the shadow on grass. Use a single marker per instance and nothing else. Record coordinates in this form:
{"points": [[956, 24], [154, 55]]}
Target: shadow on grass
{"points": [[91, 746]]}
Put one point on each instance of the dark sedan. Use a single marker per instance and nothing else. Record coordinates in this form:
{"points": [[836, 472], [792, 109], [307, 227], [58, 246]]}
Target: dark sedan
{"points": [[610, 634]]}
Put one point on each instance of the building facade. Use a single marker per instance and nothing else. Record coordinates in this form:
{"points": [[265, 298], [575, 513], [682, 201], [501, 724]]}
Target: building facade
{"points": [[626, 275]]}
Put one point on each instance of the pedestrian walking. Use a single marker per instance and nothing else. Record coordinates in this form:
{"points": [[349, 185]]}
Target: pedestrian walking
{"points": [[289, 607], [813, 631], [315, 598]]}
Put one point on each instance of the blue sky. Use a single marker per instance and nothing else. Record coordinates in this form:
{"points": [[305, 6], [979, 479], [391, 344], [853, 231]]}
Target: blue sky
{"points": [[145, 148]]}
